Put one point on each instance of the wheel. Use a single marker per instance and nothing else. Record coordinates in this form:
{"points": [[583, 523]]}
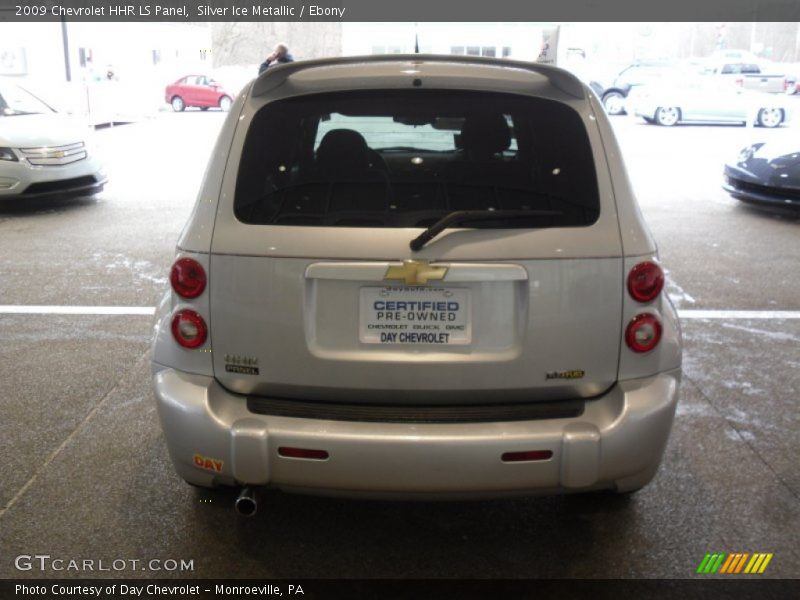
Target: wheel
{"points": [[770, 117], [225, 103], [614, 103], [178, 105], [668, 115], [203, 108]]}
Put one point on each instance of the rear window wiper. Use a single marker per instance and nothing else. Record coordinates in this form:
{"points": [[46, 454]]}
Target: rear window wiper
{"points": [[463, 216]]}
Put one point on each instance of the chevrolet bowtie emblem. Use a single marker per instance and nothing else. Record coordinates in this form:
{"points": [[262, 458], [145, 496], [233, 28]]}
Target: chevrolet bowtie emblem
{"points": [[415, 272]]}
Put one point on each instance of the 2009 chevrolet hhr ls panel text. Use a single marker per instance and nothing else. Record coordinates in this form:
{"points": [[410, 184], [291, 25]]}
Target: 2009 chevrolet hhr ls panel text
{"points": [[417, 276]]}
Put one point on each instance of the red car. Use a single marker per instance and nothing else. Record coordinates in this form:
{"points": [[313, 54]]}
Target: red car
{"points": [[197, 90]]}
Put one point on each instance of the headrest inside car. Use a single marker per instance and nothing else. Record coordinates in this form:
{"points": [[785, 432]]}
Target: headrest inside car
{"points": [[484, 135], [343, 150]]}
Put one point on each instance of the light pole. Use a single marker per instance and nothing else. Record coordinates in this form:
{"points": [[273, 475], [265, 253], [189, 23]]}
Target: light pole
{"points": [[65, 40]]}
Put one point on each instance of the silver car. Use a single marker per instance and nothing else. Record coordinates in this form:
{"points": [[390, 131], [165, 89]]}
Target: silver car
{"points": [[43, 154], [416, 276], [708, 99]]}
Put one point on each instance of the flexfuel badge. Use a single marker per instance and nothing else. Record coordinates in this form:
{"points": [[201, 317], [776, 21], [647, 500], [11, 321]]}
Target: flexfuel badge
{"points": [[575, 374]]}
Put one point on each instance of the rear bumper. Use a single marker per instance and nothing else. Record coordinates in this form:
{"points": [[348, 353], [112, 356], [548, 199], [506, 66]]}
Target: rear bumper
{"points": [[617, 443]]}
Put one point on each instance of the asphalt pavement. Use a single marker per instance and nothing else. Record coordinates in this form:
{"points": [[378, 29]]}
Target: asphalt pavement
{"points": [[85, 472]]}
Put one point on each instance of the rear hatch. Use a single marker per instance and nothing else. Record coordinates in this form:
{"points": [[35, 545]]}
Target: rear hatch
{"points": [[317, 295]]}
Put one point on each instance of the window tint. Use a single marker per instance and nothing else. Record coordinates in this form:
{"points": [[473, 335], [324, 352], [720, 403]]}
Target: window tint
{"points": [[407, 158], [739, 68]]}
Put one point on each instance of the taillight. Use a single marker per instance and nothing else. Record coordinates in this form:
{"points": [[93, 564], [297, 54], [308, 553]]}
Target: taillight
{"points": [[188, 278], [189, 329], [643, 333], [645, 281]]}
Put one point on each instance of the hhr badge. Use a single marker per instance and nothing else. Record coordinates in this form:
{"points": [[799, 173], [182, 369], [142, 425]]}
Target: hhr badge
{"points": [[415, 272], [242, 365]]}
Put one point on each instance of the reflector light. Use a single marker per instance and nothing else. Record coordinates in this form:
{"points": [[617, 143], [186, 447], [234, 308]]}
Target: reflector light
{"points": [[188, 278], [189, 329], [645, 281], [643, 333], [302, 453], [527, 456]]}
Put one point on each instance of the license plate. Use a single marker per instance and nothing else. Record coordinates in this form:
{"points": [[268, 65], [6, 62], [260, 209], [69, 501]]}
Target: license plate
{"points": [[415, 316]]}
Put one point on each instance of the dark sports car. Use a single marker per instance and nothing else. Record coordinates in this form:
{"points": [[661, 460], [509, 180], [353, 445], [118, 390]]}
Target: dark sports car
{"points": [[766, 175]]}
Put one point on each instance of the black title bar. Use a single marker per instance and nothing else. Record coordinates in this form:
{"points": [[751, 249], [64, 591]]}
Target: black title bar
{"points": [[353, 589], [400, 10]]}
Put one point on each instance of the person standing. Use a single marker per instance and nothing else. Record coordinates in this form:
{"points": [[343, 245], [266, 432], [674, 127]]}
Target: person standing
{"points": [[279, 55]]}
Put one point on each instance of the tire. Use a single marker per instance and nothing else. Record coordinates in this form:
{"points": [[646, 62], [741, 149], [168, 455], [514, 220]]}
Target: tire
{"points": [[769, 117], [614, 102], [667, 116], [225, 103], [178, 105]]}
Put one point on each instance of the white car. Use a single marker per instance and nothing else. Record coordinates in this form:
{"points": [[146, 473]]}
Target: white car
{"points": [[708, 99], [43, 153], [416, 276]]}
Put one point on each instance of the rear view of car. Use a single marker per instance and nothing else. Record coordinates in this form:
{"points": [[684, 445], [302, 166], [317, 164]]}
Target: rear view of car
{"points": [[43, 154], [416, 276]]}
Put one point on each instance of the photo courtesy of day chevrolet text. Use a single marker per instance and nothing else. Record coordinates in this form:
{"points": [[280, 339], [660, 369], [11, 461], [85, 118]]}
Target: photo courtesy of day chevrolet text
{"points": [[130, 590]]}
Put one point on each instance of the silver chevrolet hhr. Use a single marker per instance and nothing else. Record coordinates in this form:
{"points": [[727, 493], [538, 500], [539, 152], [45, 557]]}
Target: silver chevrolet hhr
{"points": [[416, 276]]}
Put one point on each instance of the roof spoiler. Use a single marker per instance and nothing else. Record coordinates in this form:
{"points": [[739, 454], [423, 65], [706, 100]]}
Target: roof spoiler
{"points": [[277, 75]]}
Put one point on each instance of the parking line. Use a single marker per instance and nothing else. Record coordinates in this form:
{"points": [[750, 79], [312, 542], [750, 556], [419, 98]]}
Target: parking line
{"points": [[76, 310], [739, 314], [22, 309]]}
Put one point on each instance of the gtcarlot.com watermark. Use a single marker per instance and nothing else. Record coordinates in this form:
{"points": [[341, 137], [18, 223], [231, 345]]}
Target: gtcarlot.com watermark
{"points": [[47, 563]]}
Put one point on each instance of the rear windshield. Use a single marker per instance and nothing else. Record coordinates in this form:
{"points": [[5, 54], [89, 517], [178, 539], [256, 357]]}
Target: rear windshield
{"points": [[408, 158]]}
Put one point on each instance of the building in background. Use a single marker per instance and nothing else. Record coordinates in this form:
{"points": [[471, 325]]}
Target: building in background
{"points": [[110, 71], [124, 67], [502, 40]]}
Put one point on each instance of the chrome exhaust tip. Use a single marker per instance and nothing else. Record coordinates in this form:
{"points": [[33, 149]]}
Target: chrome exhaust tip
{"points": [[247, 502]]}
